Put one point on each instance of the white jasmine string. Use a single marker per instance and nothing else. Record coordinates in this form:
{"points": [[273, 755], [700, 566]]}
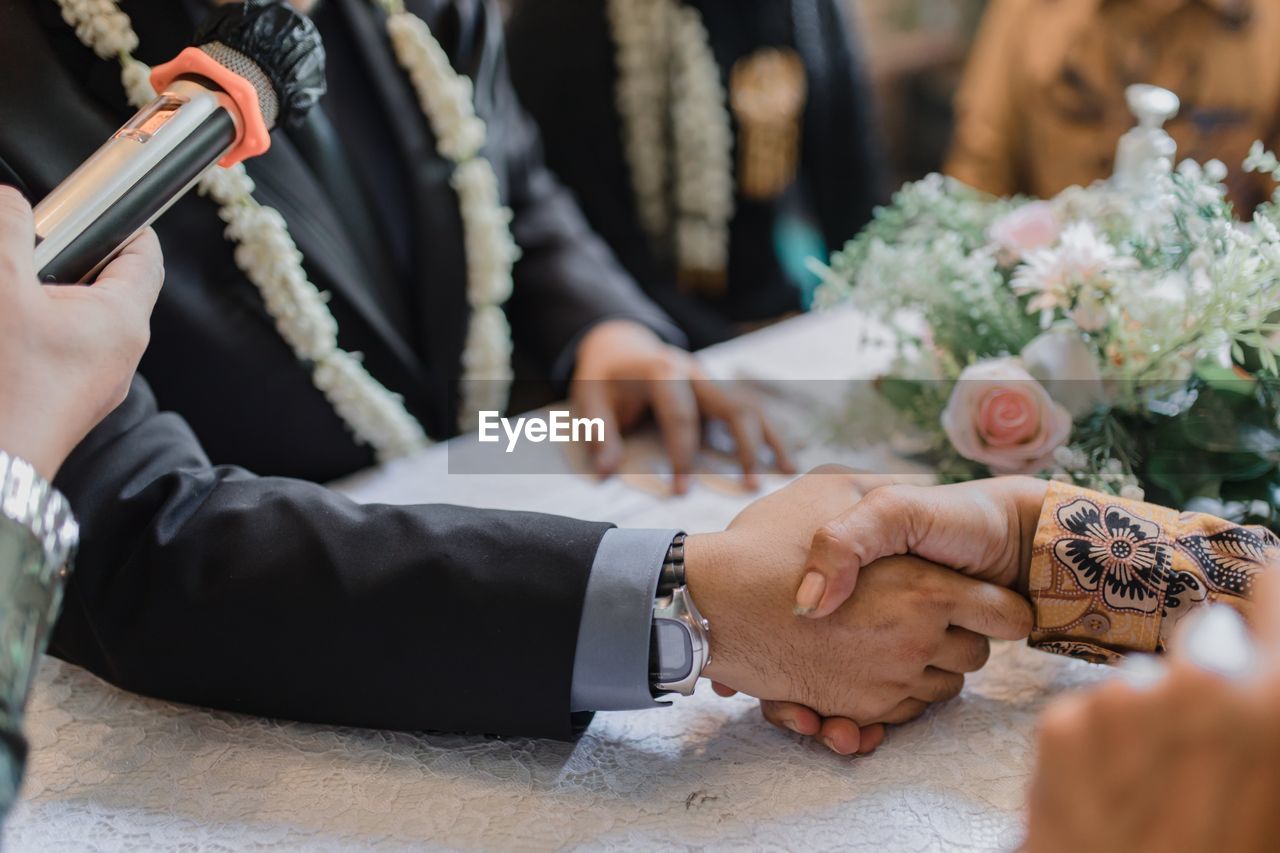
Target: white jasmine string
{"points": [[267, 255], [670, 96]]}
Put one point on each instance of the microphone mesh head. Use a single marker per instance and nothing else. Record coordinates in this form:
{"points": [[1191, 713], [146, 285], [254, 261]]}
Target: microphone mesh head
{"points": [[280, 43], [243, 66]]}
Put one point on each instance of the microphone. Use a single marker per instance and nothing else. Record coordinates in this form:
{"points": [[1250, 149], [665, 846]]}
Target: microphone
{"points": [[253, 66]]}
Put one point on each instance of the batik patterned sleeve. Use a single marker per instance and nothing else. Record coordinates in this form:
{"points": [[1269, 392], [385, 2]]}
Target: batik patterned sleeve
{"points": [[1110, 576]]}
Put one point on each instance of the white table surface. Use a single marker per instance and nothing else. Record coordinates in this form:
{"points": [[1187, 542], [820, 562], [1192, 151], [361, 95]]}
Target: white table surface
{"points": [[113, 771]]}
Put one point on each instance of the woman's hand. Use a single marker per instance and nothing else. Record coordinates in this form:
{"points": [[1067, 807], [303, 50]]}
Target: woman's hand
{"points": [[1190, 764], [67, 354]]}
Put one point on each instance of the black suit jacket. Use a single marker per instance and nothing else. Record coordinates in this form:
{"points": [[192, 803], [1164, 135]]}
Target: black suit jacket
{"points": [[564, 65], [201, 582]]}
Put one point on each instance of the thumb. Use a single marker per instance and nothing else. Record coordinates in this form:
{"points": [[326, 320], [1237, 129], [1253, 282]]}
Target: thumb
{"points": [[881, 524], [17, 236]]}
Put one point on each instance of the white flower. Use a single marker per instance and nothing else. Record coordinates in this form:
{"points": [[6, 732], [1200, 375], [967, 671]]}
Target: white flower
{"points": [[1132, 492], [639, 30], [135, 76], [1079, 269], [374, 414], [1261, 160], [668, 79], [101, 25], [1061, 360], [1158, 303], [446, 99], [703, 142], [1070, 458], [444, 95], [486, 364]]}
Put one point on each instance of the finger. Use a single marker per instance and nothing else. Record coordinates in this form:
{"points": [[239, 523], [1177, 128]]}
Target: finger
{"points": [[591, 397], [905, 711], [872, 736], [782, 458], [841, 735], [745, 423], [723, 689], [937, 685], [748, 436], [137, 273], [962, 650], [1062, 753], [675, 408], [987, 609], [789, 715], [17, 237], [883, 523]]}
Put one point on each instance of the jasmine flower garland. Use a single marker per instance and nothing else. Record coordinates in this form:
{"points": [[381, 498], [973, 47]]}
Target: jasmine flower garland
{"points": [[267, 255], [677, 132]]}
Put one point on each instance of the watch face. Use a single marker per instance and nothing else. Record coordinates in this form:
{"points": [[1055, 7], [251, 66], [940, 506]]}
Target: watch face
{"points": [[675, 650]]}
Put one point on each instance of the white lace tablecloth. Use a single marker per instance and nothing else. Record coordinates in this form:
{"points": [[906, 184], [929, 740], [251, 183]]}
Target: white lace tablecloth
{"points": [[112, 771]]}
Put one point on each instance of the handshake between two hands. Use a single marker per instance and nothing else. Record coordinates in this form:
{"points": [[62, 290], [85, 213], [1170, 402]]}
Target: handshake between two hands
{"points": [[938, 571], [1188, 762]]}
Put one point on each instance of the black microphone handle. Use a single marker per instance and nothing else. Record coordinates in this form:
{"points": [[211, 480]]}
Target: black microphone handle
{"points": [[139, 205]]}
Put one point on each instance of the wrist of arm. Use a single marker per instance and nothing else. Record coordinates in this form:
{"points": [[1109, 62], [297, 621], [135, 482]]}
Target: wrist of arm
{"points": [[1111, 575]]}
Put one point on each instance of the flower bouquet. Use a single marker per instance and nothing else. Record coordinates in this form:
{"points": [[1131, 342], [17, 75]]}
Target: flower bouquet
{"points": [[1125, 342]]}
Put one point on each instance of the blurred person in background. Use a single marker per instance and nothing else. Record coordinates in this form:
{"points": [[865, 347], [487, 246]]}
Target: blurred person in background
{"points": [[1043, 98], [66, 357], [1191, 763], [716, 145]]}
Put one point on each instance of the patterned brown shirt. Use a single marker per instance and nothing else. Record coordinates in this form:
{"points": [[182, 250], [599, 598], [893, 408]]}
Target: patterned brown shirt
{"points": [[1042, 104], [1110, 576]]}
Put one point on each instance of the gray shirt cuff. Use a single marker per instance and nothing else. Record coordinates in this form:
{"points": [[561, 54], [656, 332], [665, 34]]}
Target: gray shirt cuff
{"points": [[611, 666]]}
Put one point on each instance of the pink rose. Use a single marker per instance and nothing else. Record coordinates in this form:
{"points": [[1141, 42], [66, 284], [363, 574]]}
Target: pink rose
{"points": [[1002, 417], [1035, 225]]}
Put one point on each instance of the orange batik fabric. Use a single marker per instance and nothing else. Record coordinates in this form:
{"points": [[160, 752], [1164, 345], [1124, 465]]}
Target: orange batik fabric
{"points": [[1110, 576]]}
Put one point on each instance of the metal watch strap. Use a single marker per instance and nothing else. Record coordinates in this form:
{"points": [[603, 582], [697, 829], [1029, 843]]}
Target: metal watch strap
{"points": [[672, 574], [27, 499], [677, 624]]}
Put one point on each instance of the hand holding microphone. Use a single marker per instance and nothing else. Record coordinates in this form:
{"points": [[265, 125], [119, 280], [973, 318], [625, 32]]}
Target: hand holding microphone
{"points": [[255, 65], [67, 354]]}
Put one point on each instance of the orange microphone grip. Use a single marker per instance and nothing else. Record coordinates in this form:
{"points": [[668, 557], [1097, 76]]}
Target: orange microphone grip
{"points": [[253, 137]]}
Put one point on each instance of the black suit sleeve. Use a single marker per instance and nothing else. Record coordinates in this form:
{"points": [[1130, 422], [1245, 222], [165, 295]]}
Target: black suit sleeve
{"points": [[278, 597], [567, 279]]}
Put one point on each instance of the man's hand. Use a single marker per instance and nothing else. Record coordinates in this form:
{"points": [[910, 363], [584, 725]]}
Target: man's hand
{"points": [[623, 369], [1192, 763], [903, 641], [67, 354], [984, 529]]}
